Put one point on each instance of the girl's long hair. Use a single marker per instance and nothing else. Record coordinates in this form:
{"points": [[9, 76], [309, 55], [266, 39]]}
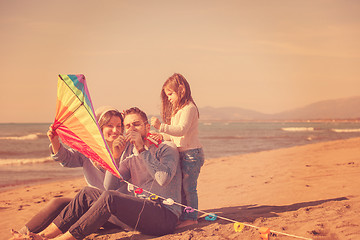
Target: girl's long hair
{"points": [[174, 82]]}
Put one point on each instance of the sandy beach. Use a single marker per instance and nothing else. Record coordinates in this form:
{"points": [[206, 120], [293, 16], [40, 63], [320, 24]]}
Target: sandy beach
{"points": [[310, 191]]}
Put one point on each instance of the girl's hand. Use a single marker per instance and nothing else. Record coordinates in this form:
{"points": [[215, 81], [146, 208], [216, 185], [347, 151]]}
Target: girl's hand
{"points": [[155, 122], [157, 136], [118, 146], [54, 139]]}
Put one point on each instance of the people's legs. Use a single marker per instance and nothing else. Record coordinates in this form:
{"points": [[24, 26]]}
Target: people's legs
{"points": [[72, 212], [46, 215], [191, 162], [146, 216]]}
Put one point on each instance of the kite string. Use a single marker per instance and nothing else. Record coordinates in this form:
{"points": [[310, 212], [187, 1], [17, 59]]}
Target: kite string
{"points": [[227, 219], [142, 209]]}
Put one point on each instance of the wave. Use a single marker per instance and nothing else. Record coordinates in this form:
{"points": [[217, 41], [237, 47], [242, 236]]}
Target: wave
{"points": [[11, 162], [298, 129], [346, 130], [32, 136], [24, 153]]}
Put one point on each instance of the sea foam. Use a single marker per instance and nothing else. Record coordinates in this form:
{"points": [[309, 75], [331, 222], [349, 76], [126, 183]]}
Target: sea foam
{"points": [[348, 130], [298, 129], [12, 162], [32, 136]]}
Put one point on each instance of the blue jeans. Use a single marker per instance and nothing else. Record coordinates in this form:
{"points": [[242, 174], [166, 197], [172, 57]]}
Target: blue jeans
{"points": [[92, 207], [191, 162]]}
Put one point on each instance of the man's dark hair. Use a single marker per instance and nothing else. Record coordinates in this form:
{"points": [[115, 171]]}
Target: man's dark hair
{"points": [[135, 110]]}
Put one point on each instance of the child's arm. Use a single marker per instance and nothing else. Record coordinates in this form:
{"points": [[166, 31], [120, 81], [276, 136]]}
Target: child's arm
{"points": [[155, 122], [158, 137], [188, 115], [166, 137]]}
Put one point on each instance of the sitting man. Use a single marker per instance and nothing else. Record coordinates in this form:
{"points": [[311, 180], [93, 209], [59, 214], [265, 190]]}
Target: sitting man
{"points": [[153, 168]]}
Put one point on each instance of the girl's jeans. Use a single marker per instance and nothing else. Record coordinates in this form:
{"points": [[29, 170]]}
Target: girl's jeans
{"points": [[191, 162]]}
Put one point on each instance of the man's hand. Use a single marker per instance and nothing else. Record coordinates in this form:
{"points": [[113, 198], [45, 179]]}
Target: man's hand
{"points": [[136, 139], [155, 122]]}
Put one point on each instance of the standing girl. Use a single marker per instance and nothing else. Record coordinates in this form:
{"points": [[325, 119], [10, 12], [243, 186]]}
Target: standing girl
{"points": [[180, 115]]}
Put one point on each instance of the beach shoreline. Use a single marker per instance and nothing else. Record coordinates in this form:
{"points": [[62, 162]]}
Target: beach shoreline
{"points": [[310, 191], [51, 181]]}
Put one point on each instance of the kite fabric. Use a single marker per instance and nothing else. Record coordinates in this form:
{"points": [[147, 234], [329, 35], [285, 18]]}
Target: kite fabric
{"points": [[76, 124]]}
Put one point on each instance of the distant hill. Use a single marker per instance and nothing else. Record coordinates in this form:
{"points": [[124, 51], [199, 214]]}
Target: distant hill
{"points": [[229, 113], [346, 108]]}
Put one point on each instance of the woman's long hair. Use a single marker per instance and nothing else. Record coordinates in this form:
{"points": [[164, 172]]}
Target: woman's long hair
{"points": [[105, 119], [174, 83]]}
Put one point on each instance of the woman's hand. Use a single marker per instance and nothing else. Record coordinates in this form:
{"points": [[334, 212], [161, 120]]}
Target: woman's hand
{"points": [[51, 133], [54, 139], [155, 122], [118, 146]]}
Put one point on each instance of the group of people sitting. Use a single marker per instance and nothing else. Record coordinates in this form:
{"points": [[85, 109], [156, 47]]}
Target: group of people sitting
{"points": [[170, 170]]}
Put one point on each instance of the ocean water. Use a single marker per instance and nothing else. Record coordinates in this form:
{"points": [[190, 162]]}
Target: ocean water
{"points": [[233, 138], [24, 148], [25, 156]]}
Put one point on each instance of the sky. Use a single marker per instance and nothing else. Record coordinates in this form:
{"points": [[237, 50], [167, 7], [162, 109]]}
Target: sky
{"points": [[267, 56]]}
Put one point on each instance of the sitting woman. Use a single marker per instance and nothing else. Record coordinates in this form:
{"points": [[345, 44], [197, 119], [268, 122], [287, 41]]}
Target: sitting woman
{"points": [[110, 122]]}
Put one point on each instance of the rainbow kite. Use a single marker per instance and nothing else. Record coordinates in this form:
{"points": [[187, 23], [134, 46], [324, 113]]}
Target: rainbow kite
{"points": [[76, 124]]}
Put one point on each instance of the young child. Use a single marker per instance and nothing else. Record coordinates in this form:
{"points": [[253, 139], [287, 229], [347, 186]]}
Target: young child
{"points": [[180, 115]]}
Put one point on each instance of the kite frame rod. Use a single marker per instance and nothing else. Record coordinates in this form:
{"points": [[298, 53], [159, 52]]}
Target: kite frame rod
{"points": [[82, 103], [68, 116]]}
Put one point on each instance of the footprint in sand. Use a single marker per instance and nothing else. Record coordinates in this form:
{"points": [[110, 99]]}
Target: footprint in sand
{"points": [[323, 233], [40, 201], [21, 207]]}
